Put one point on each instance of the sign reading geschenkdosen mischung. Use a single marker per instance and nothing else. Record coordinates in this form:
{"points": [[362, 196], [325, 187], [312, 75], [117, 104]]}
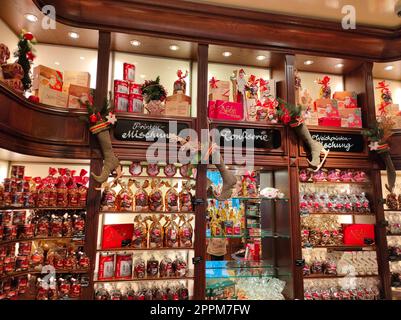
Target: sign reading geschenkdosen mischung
{"points": [[147, 131], [250, 138], [340, 142]]}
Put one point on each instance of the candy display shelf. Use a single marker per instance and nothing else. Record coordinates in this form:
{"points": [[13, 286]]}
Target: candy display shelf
{"points": [[331, 276], [336, 182], [78, 239], [339, 214], [143, 212], [157, 177], [343, 247], [42, 208], [146, 279], [130, 249]]}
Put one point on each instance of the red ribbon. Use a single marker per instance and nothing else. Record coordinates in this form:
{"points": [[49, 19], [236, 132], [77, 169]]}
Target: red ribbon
{"points": [[180, 74], [213, 83], [252, 80], [250, 176], [52, 171], [382, 108], [325, 81], [384, 87]]}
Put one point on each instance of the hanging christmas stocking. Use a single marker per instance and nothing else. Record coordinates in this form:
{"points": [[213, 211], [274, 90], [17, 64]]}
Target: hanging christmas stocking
{"points": [[111, 162], [391, 174], [316, 148], [229, 181]]}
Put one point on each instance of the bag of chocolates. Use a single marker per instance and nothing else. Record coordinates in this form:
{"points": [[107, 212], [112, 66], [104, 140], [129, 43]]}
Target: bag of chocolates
{"points": [[108, 202], [171, 198], [61, 188], [51, 187], [125, 196], [139, 268], [180, 266], [123, 266], [42, 226], [155, 232], [82, 181], [186, 197], [139, 238], [186, 232], [56, 226], [101, 293], [171, 232], [68, 225], [156, 196], [141, 196], [42, 192], [106, 266], [79, 224], [166, 267], [135, 169], [152, 267]]}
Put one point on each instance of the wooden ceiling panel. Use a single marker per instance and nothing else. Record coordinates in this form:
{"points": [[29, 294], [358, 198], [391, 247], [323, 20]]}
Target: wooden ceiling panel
{"points": [[326, 64]]}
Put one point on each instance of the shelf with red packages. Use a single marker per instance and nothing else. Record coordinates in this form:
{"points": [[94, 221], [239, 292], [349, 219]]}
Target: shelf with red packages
{"points": [[343, 247], [145, 212], [174, 278], [38, 272], [129, 249], [157, 177], [78, 239], [368, 214], [42, 208], [337, 182], [339, 276]]}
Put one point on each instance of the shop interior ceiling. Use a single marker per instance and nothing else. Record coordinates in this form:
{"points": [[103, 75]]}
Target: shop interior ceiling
{"points": [[375, 12], [6, 155]]}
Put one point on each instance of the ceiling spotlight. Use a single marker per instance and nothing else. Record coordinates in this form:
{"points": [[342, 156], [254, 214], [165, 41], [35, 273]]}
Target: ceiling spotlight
{"points": [[260, 58], [389, 68], [73, 35], [135, 43], [227, 54], [31, 17], [57, 63], [308, 62], [174, 47], [339, 65], [82, 58]]}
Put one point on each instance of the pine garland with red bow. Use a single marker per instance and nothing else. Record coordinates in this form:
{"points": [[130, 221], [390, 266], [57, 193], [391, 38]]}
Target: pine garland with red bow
{"points": [[25, 56]]}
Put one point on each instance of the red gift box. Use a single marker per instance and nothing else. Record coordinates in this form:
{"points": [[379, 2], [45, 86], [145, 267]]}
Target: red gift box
{"points": [[121, 102], [359, 234], [117, 235], [135, 88], [121, 86], [135, 103], [330, 122], [346, 99], [129, 72], [224, 110]]}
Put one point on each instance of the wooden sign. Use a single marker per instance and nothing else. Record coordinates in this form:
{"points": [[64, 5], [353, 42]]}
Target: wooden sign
{"points": [[340, 142], [147, 131], [251, 137]]}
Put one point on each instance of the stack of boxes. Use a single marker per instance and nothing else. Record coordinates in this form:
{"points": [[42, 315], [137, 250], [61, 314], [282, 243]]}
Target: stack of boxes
{"points": [[341, 111], [61, 90], [127, 93]]}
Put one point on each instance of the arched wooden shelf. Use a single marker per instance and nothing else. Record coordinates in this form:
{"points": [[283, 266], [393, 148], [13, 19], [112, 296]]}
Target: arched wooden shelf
{"points": [[41, 130]]}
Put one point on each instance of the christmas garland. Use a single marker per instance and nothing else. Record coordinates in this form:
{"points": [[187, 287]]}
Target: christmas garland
{"points": [[25, 56]]}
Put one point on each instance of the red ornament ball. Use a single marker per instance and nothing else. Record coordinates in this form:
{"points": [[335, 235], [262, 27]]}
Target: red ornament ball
{"points": [[286, 118], [92, 118], [28, 36], [30, 56], [33, 99]]}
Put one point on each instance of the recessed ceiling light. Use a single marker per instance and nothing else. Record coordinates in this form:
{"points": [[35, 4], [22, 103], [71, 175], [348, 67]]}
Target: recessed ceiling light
{"points": [[389, 68], [260, 58], [82, 58], [31, 17], [339, 65], [227, 54], [57, 63], [73, 35], [143, 76], [135, 43], [174, 47], [308, 62]]}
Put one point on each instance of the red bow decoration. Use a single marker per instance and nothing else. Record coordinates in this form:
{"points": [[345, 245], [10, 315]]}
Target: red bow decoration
{"points": [[252, 80], [263, 84], [52, 171], [180, 74], [213, 83], [324, 82], [249, 175], [382, 108], [384, 87]]}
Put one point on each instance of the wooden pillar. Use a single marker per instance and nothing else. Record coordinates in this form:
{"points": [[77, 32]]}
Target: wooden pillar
{"points": [[93, 201], [200, 218]]}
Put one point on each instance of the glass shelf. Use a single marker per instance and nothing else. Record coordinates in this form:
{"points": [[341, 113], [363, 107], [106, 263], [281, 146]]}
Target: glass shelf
{"points": [[263, 234], [238, 264]]}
